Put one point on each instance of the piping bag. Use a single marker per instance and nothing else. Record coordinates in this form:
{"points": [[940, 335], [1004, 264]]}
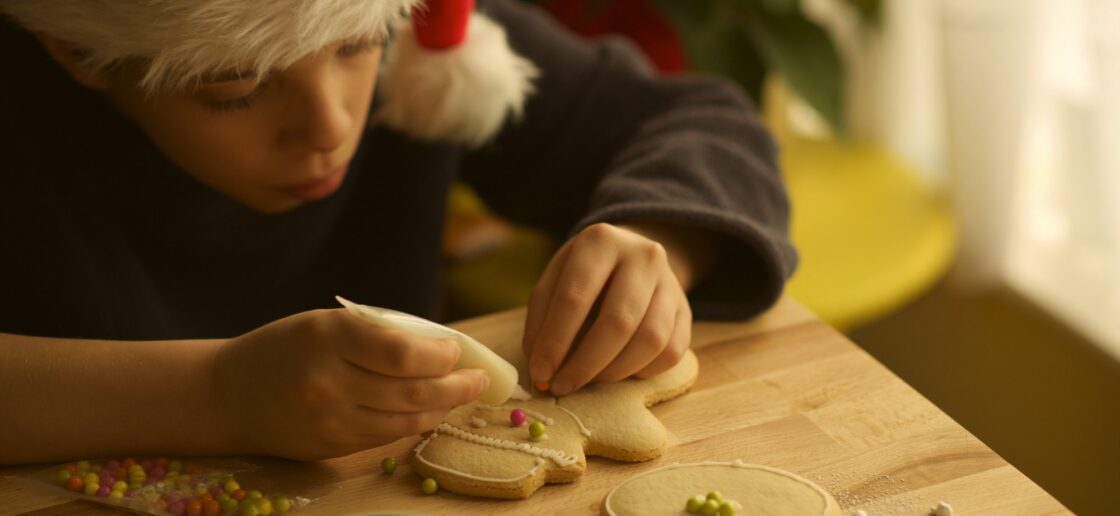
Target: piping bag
{"points": [[503, 376]]}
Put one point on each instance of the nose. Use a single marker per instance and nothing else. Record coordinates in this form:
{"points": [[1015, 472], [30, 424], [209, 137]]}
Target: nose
{"points": [[322, 121]]}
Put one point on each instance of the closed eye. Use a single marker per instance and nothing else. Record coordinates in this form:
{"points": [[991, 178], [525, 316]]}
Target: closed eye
{"points": [[357, 47]]}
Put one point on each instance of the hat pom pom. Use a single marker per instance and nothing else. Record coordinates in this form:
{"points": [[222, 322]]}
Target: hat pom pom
{"points": [[461, 94]]}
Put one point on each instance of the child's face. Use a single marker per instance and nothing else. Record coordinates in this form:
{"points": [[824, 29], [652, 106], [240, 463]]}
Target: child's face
{"points": [[274, 145]]}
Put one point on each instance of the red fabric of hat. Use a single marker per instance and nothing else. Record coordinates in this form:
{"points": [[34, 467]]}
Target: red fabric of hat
{"points": [[442, 24]]}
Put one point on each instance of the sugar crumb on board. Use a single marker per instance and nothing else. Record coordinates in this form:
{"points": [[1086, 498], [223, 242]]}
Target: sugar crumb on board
{"points": [[859, 495]]}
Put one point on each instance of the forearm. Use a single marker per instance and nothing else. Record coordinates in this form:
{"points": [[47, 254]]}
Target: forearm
{"points": [[66, 398]]}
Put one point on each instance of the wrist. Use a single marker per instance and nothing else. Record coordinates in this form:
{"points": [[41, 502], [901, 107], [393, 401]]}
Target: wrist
{"points": [[223, 398], [690, 251]]}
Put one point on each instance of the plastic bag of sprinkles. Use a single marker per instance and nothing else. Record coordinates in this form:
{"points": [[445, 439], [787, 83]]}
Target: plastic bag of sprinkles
{"points": [[164, 486]]}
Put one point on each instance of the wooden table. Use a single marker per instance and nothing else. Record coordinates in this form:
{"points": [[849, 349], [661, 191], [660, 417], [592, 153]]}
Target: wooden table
{"points": [[784, 390]]}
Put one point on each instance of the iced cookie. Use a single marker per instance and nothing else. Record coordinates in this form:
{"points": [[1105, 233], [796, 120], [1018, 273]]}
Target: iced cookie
{"points": [[758, 489], [482, 450]]}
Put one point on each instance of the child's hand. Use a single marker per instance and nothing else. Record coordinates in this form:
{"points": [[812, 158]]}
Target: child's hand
{"points": [[643, 322], [324, 384]]}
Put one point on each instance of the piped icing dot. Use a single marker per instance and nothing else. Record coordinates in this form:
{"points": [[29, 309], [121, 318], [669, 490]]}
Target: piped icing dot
{"points": [[529, 413]]}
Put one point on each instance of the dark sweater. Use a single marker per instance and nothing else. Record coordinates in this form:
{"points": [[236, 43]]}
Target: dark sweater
{"points": [[102, 237]]}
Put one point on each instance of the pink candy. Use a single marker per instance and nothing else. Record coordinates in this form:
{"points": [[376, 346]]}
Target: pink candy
{"points": [[104, 491], [517, 417]]}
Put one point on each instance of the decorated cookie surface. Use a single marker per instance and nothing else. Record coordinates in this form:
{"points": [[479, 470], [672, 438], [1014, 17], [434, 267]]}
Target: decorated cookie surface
{"points": [[511, 450], [758, 489]]}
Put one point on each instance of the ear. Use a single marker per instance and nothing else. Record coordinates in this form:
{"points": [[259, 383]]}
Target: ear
{"points": [[72, 59]]}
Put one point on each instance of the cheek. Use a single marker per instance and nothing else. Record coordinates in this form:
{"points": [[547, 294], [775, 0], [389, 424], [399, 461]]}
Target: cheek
{"points": [[220, 150]]}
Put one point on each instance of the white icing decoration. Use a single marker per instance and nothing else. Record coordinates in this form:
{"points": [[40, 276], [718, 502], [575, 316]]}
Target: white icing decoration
{"points": [[943, 509], [737, 463], [582, 429], [529, 412], [539, 462], [478, 422], [557, 456], [520, 394]]}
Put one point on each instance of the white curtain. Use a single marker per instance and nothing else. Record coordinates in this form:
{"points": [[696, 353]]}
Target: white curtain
{"points": [[1012, 107]]}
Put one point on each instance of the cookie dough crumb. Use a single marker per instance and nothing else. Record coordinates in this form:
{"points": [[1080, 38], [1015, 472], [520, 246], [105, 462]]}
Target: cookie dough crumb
{"points": [[477, 422], [943, 509]]}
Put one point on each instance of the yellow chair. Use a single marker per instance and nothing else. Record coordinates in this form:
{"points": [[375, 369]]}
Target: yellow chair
{"points": [[870, 234]]}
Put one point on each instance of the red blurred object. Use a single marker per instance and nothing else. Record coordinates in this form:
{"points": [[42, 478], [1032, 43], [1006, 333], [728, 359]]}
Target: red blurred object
{"points": [[636, 19], [442, 24]]}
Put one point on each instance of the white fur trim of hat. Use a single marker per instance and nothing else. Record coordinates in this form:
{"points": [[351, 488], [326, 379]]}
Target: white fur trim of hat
{"points": [[450, 75]]}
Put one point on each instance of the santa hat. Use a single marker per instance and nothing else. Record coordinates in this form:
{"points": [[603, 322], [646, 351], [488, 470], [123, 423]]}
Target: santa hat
{"points": [[450, 74]]}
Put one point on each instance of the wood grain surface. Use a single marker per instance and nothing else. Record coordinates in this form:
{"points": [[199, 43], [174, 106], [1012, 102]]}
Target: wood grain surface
{"points": [[784, 390]]}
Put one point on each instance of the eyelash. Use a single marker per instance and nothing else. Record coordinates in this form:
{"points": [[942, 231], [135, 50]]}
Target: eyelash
{"points": [[235, 104], [353, 49], [347, 50]]}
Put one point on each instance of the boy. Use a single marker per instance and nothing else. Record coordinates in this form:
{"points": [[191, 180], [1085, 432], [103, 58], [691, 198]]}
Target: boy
{"points": [[188, 184]]}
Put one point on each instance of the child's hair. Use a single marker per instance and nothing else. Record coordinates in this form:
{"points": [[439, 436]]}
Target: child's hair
{"points": [[181, 41]]}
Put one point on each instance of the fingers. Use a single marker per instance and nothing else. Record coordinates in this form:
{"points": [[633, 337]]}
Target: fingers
{"points": [[390, 394], [648, 341], [678, 344], [624, 307], [538, 300], [586, 270], [396, 353]]}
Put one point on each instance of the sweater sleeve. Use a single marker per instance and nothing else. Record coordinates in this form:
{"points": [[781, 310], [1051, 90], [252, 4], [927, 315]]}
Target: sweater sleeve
{"points": [[603, 140]]}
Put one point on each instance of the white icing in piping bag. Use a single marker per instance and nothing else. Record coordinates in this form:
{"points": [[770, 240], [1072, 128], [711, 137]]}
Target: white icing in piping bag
{"points": [[503, 376]]}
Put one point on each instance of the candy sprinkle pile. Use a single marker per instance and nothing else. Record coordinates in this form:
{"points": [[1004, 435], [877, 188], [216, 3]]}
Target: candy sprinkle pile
{"points": [[163, 486], [712, 504]]}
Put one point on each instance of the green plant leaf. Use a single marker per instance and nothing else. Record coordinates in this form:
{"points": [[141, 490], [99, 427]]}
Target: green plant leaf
{"points": [[805, 56], [715, 44], [869, 10], [780, 7]]}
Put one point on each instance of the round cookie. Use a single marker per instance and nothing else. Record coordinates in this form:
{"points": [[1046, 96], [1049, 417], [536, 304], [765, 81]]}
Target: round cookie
{"points": [[760, 489]]}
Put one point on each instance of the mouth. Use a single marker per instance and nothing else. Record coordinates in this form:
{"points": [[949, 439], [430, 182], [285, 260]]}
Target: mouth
{"points": [[318, 188]]}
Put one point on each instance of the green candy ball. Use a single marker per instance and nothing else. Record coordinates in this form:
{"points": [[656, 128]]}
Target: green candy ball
{"points": [[63, 477], [536, 429], [253, 495], [694, 504], [229, 504], [729, 508], [249, 509], [388, 465], [715, 495], [429, 486], [710, 508], [282, 504]]}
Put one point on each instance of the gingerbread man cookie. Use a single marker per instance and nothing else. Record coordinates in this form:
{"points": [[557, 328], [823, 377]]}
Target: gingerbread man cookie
{"points": [[482, 450]]}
